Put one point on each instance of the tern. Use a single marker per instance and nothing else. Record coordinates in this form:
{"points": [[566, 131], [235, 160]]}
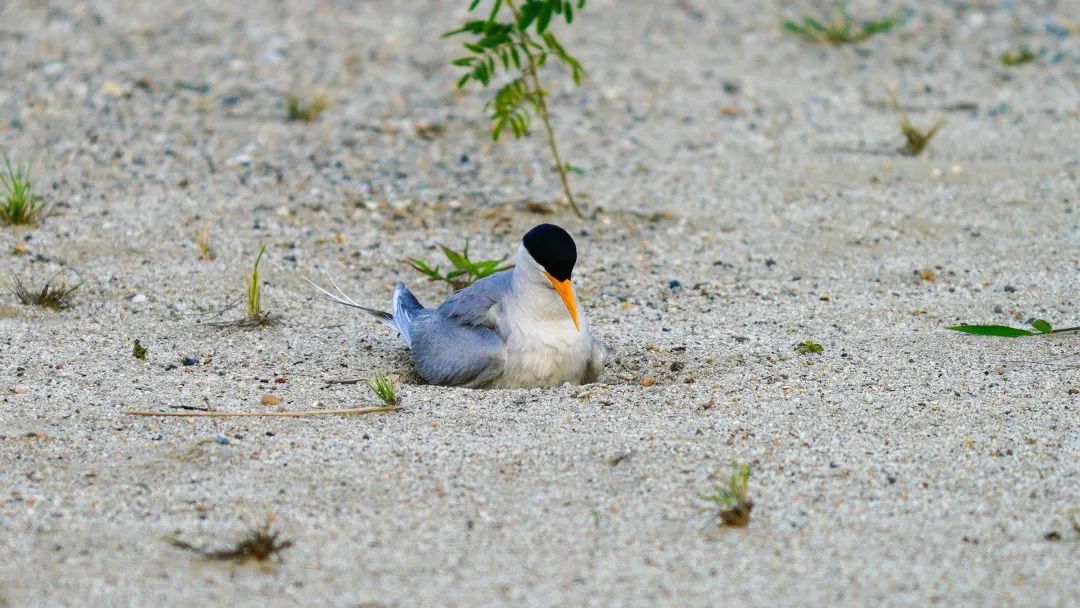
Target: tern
{"points": [[519, 328]]}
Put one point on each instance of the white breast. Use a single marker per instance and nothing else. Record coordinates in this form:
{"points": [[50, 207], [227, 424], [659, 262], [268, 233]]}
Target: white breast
{"points": [[542, 350]]}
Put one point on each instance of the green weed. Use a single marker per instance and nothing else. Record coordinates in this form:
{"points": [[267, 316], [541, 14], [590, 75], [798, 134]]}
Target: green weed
{"points": [[301, 111], [735, 506], [519, 47], [18, 205], [842, 29], [809, 347], [1017, 58], [465, 272], [384, 387], [1004, 331]]}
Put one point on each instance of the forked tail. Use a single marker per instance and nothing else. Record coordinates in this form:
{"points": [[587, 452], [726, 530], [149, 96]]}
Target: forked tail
{"points": [[404, 304]]}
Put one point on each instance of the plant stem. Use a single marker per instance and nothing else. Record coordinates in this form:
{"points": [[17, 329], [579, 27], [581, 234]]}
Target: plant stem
{"points": [[541, 109], [1065, 330], [300, 414]]}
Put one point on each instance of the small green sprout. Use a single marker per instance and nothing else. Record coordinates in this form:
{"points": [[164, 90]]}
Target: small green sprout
{"points": [[842, 29], [734, 505], [202, 239], [53, 295], [915, 139], [515, 49], [256, 316], [384, 387], [18, 205], [138, 351], [259, 543], [254, 290], [1041, 326], [465, 272], [298, 110], [809, 347], [1017, 58]]}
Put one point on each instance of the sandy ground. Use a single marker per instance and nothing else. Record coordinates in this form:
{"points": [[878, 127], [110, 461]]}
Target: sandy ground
{"points": [[747, 196]]}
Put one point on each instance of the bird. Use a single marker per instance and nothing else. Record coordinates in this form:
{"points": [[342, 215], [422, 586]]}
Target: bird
{"points": [[518, 328]]}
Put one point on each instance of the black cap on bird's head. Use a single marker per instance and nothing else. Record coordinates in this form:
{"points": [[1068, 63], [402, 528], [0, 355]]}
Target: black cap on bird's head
{"points": [[554, 250]]}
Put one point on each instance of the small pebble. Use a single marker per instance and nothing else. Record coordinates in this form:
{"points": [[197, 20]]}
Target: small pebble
{"points": [[21, 389], [141, 297], [674, 284], [648, 381], [190, 361], [269, 399]]}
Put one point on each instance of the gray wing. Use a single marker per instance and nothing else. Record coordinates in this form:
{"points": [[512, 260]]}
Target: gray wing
{"points": [[454, 345], [449, 353], [472, 304]]}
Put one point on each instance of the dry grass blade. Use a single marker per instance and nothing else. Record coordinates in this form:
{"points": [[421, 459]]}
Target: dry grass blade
{"points": [[303, 414], [53, 295], [259, 543]]}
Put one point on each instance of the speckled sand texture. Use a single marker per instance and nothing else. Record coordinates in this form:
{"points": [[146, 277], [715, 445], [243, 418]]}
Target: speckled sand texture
{"points": [[747, 196]]}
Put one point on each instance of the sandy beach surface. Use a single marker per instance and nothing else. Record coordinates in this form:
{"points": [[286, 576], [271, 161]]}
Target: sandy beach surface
{"points": [[745, 193]]}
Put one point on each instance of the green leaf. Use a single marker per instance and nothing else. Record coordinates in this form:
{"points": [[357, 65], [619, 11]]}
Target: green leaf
{"points": [[1042, 326], [464, 61], [544, 18], [474, 4], [1002, 331], [494, 13], [528, 13]]}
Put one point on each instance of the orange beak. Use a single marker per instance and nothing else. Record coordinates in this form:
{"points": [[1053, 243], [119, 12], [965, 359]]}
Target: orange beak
{"points": [[567, 294]]}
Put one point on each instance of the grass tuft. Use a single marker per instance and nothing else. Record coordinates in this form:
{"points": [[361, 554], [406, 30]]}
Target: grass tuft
{"points": [[465, 272], [202, 239], [254, 290], [915, 139], [842, 29], [259, 543], [256, 316], [809, 347], [1017, 58], [54, 295], [734, 505], [301, 111], [384, 387], [18, 205], [139, 351]]}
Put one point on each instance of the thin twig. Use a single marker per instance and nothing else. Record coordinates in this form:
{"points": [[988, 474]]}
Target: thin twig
{"points": [[307, 413]]}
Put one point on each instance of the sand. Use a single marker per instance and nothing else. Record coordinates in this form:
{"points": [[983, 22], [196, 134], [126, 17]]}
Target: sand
{"points": [[746, 195]]}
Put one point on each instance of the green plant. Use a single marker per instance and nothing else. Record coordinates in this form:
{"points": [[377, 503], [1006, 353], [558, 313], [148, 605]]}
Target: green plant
{"points": [[298, 110], [259, 543], [18, 205], [915, 139], [1015, 58], [138, 351], [202, 239], [465, 272], [809, 347], [254, 289], [53, 295], [734, 505], [256, 316], [383, 386], [1004, 331], [520, 46], [842, 29]]}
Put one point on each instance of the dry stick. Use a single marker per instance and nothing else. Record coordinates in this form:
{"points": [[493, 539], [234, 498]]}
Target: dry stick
{"points": [[344, 412]]}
